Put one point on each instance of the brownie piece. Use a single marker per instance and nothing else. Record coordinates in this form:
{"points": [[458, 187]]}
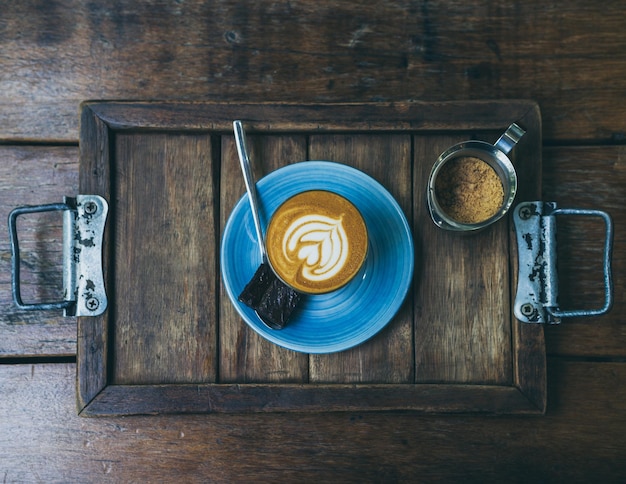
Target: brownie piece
{"points": [[272, 299], [255, 289]]}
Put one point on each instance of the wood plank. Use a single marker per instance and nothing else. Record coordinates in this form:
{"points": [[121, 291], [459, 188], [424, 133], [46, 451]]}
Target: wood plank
{"points": [[34, 175], [95, 177], [54, 55], [579, 439], [164, 228], [119, 400], [386, 358], [528, 341], [566, 180], [244, 355], [590, 177], [290, 117], [462, 300]]}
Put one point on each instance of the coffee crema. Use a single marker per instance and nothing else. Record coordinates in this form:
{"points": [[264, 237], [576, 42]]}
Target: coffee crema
{"points": [[316, 241]]}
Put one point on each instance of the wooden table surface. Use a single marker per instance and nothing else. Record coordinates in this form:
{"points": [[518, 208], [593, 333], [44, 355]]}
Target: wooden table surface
{"points": [[568, 56]]}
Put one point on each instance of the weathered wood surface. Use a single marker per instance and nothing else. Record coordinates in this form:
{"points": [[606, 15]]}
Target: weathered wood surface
{"points": [[389, 358], [589, 177], [461, 299], [159, 337], [244, 355], [33, 176], [567, 55], [579, 440], [166, 269]]}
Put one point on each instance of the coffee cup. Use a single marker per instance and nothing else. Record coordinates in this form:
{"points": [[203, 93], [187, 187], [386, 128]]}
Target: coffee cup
{"points": [[473, 184], [316, 241]]}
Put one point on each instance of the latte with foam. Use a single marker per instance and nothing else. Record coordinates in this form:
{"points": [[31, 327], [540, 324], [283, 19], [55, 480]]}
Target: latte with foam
{"points": [[316, 241]]}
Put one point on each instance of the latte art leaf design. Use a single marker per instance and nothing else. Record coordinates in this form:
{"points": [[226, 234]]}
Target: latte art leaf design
{"points": [[320, 245]]}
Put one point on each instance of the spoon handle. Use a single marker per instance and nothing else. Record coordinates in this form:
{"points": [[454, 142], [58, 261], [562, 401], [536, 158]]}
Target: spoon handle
{"points": [[244, 160]]}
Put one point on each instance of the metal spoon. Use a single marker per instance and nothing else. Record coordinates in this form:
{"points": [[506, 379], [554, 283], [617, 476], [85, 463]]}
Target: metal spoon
{"points": [[272, 300], [244, 160]]}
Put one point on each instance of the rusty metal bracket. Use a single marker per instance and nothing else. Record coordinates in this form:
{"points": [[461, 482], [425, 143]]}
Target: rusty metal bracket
{"points": [[84, 220], [537, 287]]}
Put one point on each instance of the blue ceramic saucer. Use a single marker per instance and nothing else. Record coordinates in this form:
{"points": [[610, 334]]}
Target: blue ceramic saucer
{"points": [[346, 317]]}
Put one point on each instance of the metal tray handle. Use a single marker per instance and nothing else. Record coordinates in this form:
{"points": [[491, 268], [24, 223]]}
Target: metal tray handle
{"points": [[537, 290], [83, 283], [15, 258]]}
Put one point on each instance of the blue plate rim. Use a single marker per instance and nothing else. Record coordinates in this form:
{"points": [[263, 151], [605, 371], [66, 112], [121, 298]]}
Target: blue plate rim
{"points": [[318, 167]]}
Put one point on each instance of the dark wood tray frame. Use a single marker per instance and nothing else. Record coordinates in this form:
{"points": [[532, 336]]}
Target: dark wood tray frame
{"points": [[96, 396]]}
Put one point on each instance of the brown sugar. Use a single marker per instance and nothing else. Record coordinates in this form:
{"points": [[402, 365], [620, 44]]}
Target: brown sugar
{"points": [[469, 190]]}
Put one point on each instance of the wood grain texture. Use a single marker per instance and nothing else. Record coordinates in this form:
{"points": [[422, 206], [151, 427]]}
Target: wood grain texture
{"points": [[387, 159], [147, 345], [289, 117], [528, 341], [579, 440], [568, 55], [165, 275], [567, 179], [565, 54], [34, 176], [463, 327], [93, 333], [244, 355], [588, 177]]}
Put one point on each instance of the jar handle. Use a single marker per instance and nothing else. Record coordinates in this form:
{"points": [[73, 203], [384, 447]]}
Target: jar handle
{"points": [[510, 138]]}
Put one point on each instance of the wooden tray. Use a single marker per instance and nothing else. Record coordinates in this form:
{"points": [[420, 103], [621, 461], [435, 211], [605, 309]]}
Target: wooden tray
{"points": [[171, 340]]}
